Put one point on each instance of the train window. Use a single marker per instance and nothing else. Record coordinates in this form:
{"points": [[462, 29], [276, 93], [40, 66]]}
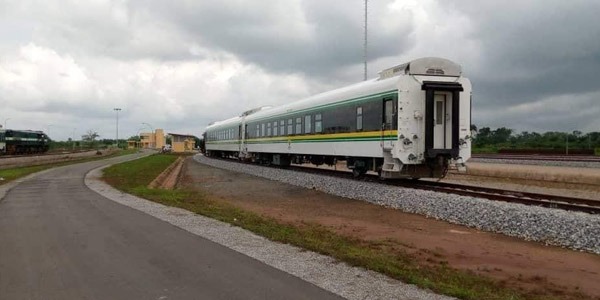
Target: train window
{"points": [[318, 123], [275, 128], [298, 126], [269, 129], [282, 127], [307, 124], [389, 113], [359, 118], [262, 130], [257, 130], [439, 118], [290, 125]]}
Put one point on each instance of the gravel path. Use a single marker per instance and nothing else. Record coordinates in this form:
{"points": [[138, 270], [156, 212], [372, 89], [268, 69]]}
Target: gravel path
{"points": [[579, 231], [323, 271]]}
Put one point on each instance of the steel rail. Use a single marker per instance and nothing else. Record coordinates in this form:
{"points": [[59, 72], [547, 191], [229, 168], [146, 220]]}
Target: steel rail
{"points": [[574, 158]]}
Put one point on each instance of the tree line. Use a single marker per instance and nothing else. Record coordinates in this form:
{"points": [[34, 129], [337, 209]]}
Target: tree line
{"points": [[486, 139]]}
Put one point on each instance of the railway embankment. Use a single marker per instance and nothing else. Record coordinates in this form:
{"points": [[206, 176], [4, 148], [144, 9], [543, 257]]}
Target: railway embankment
{"points": [[32, 160]]}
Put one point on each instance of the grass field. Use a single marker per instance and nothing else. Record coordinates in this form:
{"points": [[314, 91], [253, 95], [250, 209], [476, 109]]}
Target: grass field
{"points": [[381, 256]]}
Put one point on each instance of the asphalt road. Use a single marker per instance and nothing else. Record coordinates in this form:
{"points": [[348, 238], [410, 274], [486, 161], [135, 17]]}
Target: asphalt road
{"points": [[60, 240]]}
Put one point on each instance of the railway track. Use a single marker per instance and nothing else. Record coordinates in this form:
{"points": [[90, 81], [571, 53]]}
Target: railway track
{"points": [[574, 158], [41, 154], [544, 200]]}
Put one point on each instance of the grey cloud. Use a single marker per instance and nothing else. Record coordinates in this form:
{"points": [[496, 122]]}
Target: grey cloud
{"points": [[313, 37], [533, 50]]}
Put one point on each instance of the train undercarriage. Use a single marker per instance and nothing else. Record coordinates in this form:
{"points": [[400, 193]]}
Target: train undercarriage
{"points": [[434, 168]]}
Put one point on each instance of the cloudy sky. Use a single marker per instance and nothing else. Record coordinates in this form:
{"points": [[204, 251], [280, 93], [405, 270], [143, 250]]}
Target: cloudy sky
{"points": [[180, 64]]}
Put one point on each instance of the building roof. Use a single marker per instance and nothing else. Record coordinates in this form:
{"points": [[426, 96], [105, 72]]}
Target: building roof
{"points": [[184, 135]]}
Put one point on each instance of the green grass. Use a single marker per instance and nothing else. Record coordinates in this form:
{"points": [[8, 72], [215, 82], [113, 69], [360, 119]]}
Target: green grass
{"points": [[15, 173], [381, 256]]}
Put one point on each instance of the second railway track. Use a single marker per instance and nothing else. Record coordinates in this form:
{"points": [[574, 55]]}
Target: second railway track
{"points": [[534, 199]]}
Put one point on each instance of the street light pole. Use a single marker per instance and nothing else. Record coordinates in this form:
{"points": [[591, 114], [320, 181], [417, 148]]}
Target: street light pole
{"points": [[117, 110], [6, 120]]}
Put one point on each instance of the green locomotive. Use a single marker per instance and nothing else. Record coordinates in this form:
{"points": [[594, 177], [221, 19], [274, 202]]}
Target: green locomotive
{"points": [[23, 142]]}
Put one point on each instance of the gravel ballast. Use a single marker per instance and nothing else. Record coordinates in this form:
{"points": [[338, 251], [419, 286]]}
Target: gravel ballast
{"points": [[575, 230], [322, 271]]}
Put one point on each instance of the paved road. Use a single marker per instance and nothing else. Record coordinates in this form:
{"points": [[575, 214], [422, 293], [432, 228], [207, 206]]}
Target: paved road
{"points": [[60, 240]]}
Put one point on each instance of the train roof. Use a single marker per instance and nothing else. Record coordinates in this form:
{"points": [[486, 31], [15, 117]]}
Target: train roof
{"points": [[225, 123], [387, 81], [360, 89], [27, 131], [432, 66]]}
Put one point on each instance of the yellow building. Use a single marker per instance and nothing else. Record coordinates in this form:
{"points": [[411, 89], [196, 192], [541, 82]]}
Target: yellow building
{"points": [[152, 140], [182, 142]]}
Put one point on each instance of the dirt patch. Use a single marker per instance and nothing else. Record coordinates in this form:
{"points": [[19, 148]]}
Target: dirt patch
{"points": [[531, 266]]}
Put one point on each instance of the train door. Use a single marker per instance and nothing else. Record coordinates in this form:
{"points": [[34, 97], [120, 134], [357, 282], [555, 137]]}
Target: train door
{"points": [[442, 115], [442, 121], [390, 121], [242, 136]]}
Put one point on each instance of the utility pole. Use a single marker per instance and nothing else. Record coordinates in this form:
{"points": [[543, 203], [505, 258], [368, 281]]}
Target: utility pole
{"points": [[365, 42], [117, 110]]}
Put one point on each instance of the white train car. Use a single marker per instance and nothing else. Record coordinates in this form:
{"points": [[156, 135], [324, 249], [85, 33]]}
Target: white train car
{"points": [[223, 136], [409, 122]]}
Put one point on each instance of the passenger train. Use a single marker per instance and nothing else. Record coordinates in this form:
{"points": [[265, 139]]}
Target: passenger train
{"points": [[410, 122]]}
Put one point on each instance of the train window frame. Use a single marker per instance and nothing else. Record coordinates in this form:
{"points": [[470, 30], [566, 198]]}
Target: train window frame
{"points": [[275, 133], [257, 130], [318, 123], [359, 118], [298, 125], [263, 128], [268, 129], [281, 127], [308, 124], [290, 126]]}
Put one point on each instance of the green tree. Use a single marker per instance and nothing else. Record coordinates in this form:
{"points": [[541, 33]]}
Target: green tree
{"points": [[90, 138]]}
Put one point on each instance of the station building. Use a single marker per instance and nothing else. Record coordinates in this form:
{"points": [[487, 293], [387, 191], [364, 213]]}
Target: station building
{"points": [[182, 142], [149, 140]]}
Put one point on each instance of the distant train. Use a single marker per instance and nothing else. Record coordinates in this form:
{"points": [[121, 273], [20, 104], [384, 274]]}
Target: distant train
{"points": [[23, 142], [408, 123]]}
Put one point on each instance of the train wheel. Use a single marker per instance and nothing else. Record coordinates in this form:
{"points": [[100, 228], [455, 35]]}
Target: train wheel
{"points": [[358, 172]]}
